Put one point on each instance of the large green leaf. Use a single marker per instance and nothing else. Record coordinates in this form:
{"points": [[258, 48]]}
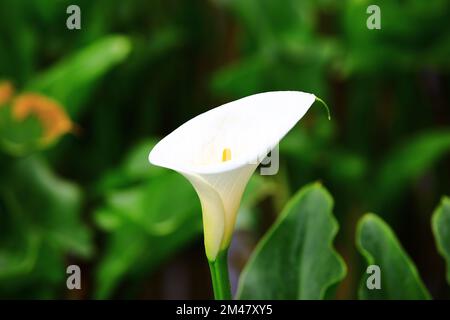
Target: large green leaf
{"points": [[379, 246], [441, 229], [296, 259], [408, 162], [71, 80]]}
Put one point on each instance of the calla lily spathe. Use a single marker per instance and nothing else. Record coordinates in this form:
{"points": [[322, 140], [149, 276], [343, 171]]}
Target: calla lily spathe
{"points": [[217, 151]]}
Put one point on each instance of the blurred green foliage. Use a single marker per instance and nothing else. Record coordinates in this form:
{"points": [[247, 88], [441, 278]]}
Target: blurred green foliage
{"points": [[138, 69]]}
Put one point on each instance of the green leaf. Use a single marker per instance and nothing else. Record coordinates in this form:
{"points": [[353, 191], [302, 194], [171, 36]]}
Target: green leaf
{"points": [[146, 224], [71, 80], [379, 246], [152, 206], [52, 204], [296, 259], [133, 169], [19, 245], [19, 137], [441, 229], [41, 226], [409, 162], [132, 253]]}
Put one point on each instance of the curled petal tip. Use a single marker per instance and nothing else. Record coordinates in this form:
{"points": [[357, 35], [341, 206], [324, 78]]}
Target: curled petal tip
{"points": [[325, 105]]}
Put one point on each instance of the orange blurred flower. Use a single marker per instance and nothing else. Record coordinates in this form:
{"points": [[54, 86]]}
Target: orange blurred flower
{"points": [[6, 91], [54, 119]]}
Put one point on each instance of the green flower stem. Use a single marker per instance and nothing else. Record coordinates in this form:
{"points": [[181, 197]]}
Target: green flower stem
{"points": [[219, 276]]}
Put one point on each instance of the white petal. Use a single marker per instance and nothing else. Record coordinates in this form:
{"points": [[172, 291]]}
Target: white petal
{"points": [[220, 195], [213, 213], [249, 128]]}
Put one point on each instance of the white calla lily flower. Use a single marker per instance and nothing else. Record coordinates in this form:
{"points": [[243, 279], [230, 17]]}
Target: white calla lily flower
{"points": [[217, 151]]}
